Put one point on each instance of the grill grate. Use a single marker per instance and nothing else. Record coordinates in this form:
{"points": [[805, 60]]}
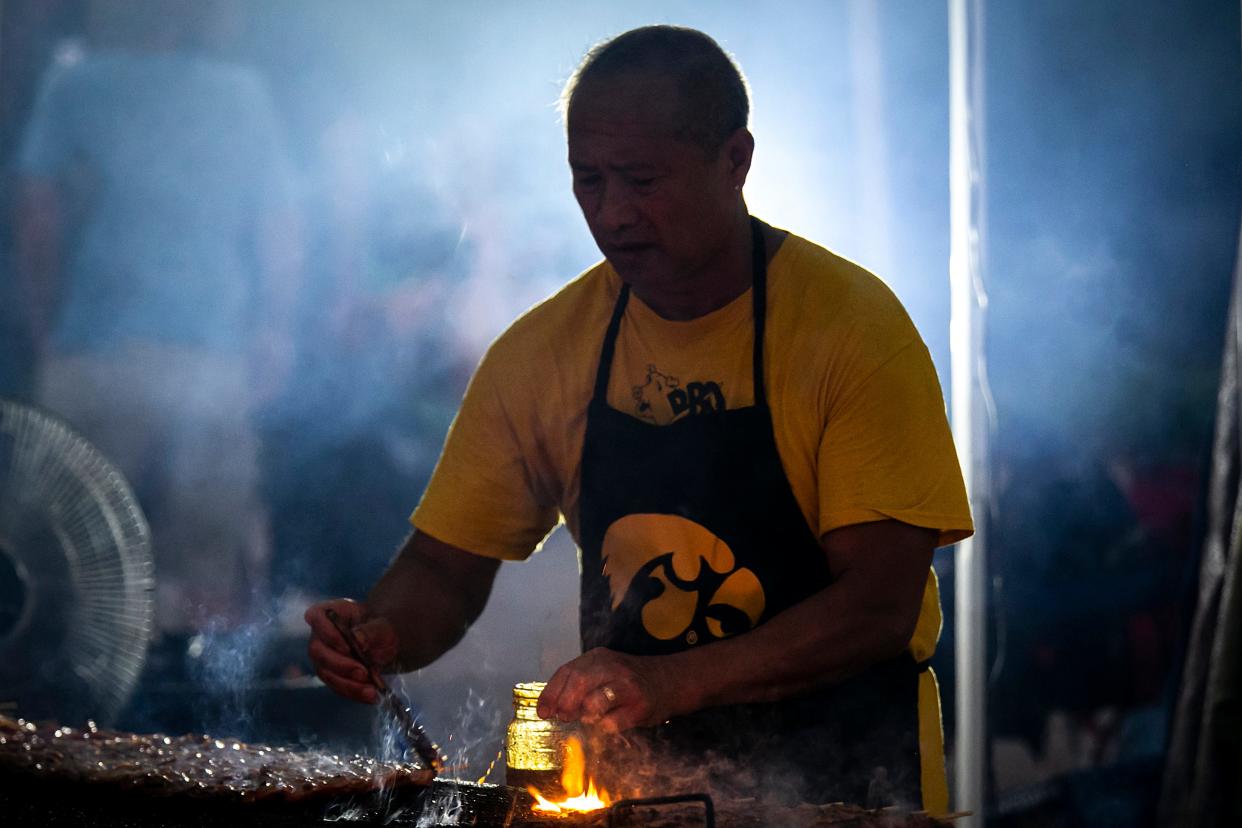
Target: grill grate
{"points": [[620, 812]]}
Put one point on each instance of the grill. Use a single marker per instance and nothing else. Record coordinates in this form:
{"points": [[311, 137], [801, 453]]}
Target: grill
{"points": [[27, 800], [55, 776], [53, 804]]}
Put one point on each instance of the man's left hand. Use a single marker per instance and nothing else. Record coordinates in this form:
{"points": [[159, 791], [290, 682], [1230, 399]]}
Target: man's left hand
{"points": [[613, 691]]}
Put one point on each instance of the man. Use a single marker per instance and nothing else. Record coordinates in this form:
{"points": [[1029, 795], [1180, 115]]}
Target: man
{"points": [[747, 440]]}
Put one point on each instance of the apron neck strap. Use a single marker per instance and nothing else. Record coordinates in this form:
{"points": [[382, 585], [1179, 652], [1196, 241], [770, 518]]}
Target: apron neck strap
{"points": [[610, 342], [759, 302]]}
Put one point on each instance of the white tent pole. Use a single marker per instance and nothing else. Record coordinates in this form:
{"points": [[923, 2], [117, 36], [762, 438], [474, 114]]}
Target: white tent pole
{"points": [[969, 398]]}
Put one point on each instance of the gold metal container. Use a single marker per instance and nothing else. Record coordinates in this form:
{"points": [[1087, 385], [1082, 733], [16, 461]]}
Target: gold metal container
{"points": [[534, 747]]}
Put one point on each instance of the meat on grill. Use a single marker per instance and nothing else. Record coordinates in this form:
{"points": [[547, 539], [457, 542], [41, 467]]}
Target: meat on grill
{"points": [[227, 770], [194, 764]]}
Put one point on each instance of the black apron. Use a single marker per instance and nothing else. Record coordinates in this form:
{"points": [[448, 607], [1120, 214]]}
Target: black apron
{"points": [[719, 474]]}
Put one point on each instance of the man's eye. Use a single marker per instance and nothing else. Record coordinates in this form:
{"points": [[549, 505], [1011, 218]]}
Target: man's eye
{"points": [[643, 183], [588, 181]]}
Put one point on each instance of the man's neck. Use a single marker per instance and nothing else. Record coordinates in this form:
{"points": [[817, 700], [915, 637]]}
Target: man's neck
{"points": [[723, 279]]}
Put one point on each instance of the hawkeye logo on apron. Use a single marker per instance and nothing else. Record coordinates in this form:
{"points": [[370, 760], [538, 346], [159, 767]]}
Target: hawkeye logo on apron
{"points": [[678, 576]]}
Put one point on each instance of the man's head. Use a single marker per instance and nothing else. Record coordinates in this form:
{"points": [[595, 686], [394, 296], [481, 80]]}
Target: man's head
{"points": [[714, 102], [658, 145]]}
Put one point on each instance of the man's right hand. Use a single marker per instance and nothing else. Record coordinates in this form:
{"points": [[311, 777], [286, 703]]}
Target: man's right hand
{"points": [[427, 598], [334, 663]]}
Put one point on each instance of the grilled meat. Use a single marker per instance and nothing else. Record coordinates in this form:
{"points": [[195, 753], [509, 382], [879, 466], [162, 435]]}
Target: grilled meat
{"points": [[193, 764]]}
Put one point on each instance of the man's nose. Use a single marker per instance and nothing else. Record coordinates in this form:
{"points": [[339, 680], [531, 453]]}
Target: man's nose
{"points": [[616, 208]]}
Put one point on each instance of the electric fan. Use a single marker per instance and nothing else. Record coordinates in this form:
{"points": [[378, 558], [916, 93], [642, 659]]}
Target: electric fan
{"points": [[76, 573]]}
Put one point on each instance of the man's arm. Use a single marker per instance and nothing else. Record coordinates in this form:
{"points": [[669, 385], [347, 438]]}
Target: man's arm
{"points": [[424, 603], [867, 615]]}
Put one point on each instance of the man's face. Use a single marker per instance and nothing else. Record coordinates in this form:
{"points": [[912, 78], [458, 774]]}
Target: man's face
{"points": [[658, 205]]}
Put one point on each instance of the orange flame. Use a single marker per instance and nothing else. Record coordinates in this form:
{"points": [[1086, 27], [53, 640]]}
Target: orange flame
{"points": [[581, 793]]}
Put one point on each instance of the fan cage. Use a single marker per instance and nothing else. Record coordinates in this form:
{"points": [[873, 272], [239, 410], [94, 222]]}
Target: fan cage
{"points": [[57, 481]]}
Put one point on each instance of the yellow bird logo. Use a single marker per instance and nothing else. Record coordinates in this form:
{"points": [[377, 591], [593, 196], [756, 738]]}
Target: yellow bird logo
{"points": [[680, 572]]}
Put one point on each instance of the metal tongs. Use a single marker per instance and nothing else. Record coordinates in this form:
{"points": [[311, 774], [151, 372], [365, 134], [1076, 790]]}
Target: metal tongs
{"points": [[413, 732]]}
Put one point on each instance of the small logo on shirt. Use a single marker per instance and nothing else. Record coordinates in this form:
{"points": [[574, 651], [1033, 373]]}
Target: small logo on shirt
{"points": [[662, 399]]}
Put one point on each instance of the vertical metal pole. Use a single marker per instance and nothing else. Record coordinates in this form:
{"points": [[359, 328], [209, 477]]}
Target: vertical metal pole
{"points": [[969, 395]]}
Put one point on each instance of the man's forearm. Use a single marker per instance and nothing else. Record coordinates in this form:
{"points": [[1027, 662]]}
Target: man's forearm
{"points": [[423, 607], [821, 641], [866, 615], [431, 594]]}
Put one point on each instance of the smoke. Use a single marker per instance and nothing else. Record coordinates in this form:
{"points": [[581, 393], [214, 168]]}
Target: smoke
{"points": [[443, 807], [1124, 175], [415, 153], [475, 725], [474, 745], [420, 151], [226, 662]]}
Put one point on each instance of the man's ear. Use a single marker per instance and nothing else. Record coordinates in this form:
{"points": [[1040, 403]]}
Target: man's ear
{"points": [[737, 152]]}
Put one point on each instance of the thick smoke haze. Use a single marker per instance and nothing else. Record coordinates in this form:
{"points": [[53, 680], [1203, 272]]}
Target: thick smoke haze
{"points": [[419, 201]]}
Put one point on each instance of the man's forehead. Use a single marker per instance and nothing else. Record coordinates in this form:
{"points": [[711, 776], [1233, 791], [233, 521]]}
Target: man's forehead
{"points": [[622, 145], [637, 100]]}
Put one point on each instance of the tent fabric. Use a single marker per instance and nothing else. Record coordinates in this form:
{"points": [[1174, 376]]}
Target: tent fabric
{"points": [[1203, 775]]}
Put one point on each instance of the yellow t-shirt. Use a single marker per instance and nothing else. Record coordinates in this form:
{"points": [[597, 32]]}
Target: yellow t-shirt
{"points": [[857, 410]]}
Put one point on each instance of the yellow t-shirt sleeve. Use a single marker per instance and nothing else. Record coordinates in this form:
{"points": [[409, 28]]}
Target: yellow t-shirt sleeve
{"points": [[483, 496], [887, 452]]}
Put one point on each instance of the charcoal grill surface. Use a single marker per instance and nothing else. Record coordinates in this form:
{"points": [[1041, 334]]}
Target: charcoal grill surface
{"points": [[50, 803], [31, 800]]}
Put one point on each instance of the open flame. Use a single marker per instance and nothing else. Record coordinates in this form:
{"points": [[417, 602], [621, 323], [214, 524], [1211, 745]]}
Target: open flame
{"points": [[581, 793]]}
